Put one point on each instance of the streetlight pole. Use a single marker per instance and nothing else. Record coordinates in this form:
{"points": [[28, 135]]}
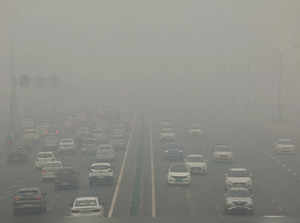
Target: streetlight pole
{"points": [[279, 89], [13, 95]]}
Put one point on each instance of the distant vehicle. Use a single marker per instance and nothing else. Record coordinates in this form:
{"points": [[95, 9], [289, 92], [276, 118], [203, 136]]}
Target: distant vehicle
{"points": [[89, 145], [284, 146], [195, 130], [197, 163], [222, 153], [29, 199], [66, 178], [101, 173], [19, 155], [166, 133], [239, 200], [43, 128], [174, 152], [179, 173], [51, 143], [100, 135], [105, 152], [42, 158], [28, 123], [238, 177], [118, 142], [83, 132], [87, 206], [49, 170], [53, 131], [167, 140], [66, 145], [31, 135], [165, 124]]}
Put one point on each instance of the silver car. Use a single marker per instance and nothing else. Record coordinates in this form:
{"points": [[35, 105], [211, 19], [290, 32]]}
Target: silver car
{"points": [[105, 152]]}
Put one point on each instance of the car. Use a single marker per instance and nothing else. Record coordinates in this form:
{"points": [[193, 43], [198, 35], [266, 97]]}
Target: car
{"points": [[238, 177], [167, 140], [28, 123], [66, 145], [197, 163], [51, 143], [43, 128], [222, 153], [101, 173], [284, 146], [165, 124], [66, 178], [239, 200], [31, 135], [118, 142], [179, 173], [105, 152], [49, 170], [29, 199], [89, 145], [174, 152], [19, 155], [42, 158], [100, 135], [195, 130], [166, 133], [87, 206]]}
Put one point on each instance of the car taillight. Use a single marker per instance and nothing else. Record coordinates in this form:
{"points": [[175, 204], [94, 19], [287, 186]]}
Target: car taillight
{"points": [[16, 198], [43, 171], [38, 198], [57, 132]]}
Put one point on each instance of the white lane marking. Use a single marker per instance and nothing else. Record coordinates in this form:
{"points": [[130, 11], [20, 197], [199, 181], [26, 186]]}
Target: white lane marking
{"points": [[152, 175], [117, 188]]}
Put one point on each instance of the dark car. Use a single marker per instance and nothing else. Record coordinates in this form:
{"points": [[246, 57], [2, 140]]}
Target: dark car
{"points": [[66, 178], [51, 143], [20, 155], [29, 199], [174, 152]]}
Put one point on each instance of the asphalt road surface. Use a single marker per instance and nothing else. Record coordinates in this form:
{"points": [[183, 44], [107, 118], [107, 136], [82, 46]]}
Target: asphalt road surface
{"points": [[276, 178]]}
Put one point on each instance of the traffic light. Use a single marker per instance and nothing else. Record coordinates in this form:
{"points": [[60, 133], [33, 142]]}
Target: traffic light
{"points": [[24, 81]]}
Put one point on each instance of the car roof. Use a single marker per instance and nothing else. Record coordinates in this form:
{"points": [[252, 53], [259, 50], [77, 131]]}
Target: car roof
{"points": [[101, 164], [238, 169], [52, 162], [45, 153], [86, 198], [66, 139], [195, 155], [178, 164], [28, 189], [238, 189]]}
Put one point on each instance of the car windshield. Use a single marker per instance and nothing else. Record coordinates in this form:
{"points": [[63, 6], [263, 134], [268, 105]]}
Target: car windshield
{"points": [[195, 159], [285, 142], [28, 192], [222, 149], [45, 155], [67, 141], [238, 173], [53, 165], [85, 203], [166, 130], [105, 148], [99, 167], [179, 169], [239, 193]]}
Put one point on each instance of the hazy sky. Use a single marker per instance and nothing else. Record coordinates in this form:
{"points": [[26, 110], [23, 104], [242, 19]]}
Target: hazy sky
{"points": [[210, 48]]}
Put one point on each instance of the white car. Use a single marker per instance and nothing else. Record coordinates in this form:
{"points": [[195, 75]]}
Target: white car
{"points": [[195, 130], [197, 163], [165, 124], [222, 153], [49, 170], [284, 146], [105, 152], [101, 173], [238, 177], [239, 200], [42, 158], [87, 206], [66, 145], [166, 133], [179, 173]]}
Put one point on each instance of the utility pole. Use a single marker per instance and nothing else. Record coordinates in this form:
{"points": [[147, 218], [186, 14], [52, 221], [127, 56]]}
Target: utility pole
{"points": [[279, 90], [13, 95]]}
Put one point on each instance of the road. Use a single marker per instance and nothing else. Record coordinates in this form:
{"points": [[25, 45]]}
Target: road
{"points": [[276, 178]]}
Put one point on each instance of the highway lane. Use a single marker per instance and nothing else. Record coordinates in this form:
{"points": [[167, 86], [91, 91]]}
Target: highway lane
{"points": [[17, 176], [205, 195]]}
